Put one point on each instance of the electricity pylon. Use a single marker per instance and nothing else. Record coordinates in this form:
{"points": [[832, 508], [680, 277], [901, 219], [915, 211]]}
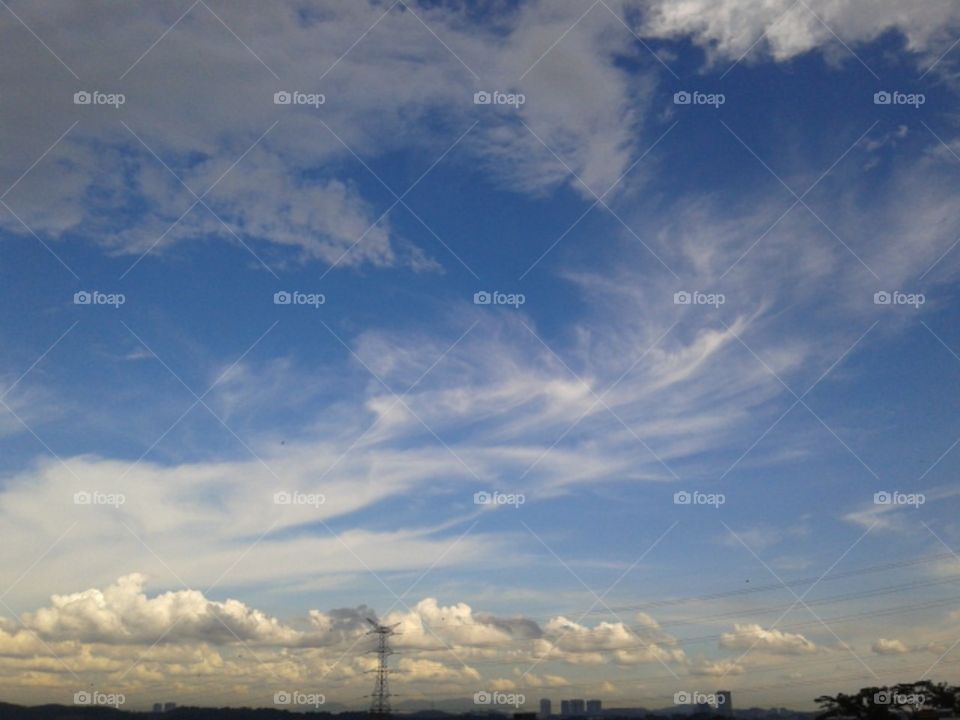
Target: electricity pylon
{"points": [[380, 700]]}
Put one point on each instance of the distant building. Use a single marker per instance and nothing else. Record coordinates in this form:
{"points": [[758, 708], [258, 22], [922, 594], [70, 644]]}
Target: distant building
{"points": [[594, 707], [565, 708], [724, 703], [168, 706], [577, 708], [544, 708], [702, 709], [158, 707]]}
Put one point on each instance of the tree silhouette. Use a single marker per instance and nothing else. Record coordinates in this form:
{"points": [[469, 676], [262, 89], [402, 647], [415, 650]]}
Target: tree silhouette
{"points": [[881, 703]]}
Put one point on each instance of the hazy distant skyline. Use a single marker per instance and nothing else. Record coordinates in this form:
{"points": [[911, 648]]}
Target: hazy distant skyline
{"points": [[440, 313]]}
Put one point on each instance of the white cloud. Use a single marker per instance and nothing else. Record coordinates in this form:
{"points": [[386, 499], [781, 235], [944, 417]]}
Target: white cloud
{"points": [[766, 536], [501, 398], [884, 646], [583, 113], [898, 517], [428, 625], [542, 681], [574, 642], [230, 505], [121, 636], [753, 636], [717, 668], [122, 613], [729, 29], [435, 672], [102, 184]]}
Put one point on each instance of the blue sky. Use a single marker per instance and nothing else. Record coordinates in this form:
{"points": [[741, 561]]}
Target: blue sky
{"points": [[795, 397]]}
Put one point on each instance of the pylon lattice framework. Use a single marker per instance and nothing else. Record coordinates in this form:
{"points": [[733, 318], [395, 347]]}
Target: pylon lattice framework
{"points": [[380, 699]]}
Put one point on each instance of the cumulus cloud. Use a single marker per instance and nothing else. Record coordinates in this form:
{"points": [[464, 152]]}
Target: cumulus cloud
{"points": [[435, 672], [885, 646], [542, 681], [752, 635], [429, 625], [185, 640], [716, 668], [122, 613], [342, 624], [574, 642]]}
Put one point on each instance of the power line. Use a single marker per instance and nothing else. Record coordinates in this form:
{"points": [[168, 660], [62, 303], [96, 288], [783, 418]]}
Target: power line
{"points": [[739, 592], [885, 590]]}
